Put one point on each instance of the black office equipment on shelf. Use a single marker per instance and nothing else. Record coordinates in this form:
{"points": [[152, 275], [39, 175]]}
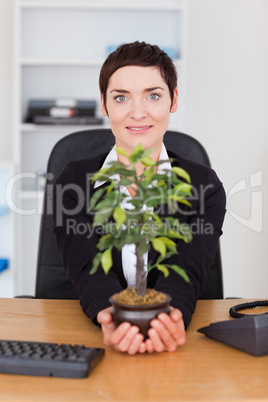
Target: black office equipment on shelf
{"points": [[62, 111]]}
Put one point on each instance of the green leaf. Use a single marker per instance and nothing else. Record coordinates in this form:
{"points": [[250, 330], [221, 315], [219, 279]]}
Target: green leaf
{"points": [[170, 160], [111, 187], [137, 203], [182, 189], [147, 152], [148, 174], [99, 175], [121, 151], [105, 242], [133, 217], [161, 183], [181, 173], [168, 242], [137, 150], [170, 221], [161, 258], [186, 231], [111, 228], [95, 263], [119, 216], [154, 196], [143, 247], [115, 164], [101, 217], [171, 253], [159, 246], [105, 204], [161, 176], [125, 181], [149, 214], [147, 161], [123, 238], [137, 153], [163, 269], [180, 271], [123, 171], [182, 200], [151, 229], [95, 197], [177, 235], [110, 200], [106, 260]]}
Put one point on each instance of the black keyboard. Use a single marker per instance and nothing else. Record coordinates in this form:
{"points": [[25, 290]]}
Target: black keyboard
{"points": [[48, 359]]}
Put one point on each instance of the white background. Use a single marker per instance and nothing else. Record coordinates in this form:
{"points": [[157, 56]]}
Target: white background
{"points": [[227, 110]]}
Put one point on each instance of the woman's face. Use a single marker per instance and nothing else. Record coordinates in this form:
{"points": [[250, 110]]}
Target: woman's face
{"points": [[138, 104]]}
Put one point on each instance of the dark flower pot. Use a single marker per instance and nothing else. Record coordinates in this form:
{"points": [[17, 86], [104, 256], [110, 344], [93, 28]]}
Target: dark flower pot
{"points": [[140, 315]]}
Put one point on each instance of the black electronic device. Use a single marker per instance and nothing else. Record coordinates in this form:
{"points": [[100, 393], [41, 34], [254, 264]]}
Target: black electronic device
{"points": [[62, 112], [48, 359], [249, 334]]}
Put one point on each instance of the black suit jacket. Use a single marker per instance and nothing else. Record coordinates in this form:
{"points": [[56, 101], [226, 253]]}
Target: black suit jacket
{"points": [[77, 240]]}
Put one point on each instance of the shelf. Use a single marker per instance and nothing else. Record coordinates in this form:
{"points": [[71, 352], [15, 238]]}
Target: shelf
{"points": [[61, 62], [70, 63], [28, 127], [120, 5]]}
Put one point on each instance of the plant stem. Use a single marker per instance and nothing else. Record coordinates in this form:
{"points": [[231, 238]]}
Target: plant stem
{"points": [[141, 281]]}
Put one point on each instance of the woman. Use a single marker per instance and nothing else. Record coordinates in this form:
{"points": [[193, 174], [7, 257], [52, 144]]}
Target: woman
{"points": [[138, 85]]}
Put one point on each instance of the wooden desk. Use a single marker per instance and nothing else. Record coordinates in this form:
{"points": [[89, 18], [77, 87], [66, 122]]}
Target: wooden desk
{"points": [[201, 370]]}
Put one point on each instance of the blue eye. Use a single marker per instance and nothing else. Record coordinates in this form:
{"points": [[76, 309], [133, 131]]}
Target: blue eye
{"points": [[120, 98], [154, 96]]}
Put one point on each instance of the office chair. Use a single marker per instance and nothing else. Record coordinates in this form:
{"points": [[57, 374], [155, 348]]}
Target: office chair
{"points": [[52, 281]]}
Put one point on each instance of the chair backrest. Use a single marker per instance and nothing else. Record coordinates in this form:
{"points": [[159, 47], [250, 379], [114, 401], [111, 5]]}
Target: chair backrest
{"points": [[52, 281]]}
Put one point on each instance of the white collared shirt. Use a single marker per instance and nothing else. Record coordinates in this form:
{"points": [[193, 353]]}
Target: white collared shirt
{"points": [[129, 260]]}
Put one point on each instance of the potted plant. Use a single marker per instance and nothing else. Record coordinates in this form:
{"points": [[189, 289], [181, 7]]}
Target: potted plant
{"points": [[139, 223]]}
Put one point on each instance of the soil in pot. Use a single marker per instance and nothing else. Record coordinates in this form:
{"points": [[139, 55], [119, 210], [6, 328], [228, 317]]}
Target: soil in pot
{"points": [[129, 306]]}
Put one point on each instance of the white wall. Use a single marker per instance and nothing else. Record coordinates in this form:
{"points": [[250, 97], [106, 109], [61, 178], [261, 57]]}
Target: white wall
{"points": [[6, 53], [228, 112]]}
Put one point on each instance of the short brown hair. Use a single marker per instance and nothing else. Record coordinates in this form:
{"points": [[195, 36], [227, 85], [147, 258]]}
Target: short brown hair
{"points": [[138, 54]]}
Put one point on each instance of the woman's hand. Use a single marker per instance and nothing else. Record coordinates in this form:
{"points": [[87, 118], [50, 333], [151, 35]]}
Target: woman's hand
{"points": [[124, 338], [166, 333]]}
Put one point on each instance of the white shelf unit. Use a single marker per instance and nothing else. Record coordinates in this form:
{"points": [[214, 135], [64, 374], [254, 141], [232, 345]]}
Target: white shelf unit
{"points": [[6, 229], [60, 46]]}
